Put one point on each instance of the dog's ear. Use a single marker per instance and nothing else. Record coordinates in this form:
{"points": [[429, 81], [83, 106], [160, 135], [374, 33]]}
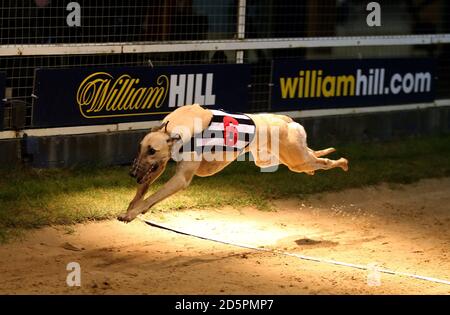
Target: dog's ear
{"points": [[162, 126], [165, 126], [173, 138]]}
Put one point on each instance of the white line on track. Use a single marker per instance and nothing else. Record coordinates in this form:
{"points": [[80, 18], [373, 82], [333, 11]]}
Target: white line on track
{"points": [[304, 257]]}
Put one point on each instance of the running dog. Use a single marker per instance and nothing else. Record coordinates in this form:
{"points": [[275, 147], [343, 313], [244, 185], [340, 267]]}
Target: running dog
{"points": [[205, 141]]}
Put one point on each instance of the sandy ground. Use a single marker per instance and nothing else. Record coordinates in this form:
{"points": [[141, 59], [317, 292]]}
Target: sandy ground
{"points": [[404, 228]]}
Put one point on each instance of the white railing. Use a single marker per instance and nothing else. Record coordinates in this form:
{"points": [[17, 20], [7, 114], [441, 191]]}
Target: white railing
{"points": [[230, 44]]}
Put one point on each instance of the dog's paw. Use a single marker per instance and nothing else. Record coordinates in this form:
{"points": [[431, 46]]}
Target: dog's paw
{"points": [[125, 217], [343, 164]]}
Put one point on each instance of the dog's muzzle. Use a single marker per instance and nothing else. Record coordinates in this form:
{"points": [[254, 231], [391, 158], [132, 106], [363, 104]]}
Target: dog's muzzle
{"points": [[142, 172], [134, 168]]}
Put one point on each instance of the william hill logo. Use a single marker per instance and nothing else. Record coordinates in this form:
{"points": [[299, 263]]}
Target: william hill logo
{"points": [[100, 95]]}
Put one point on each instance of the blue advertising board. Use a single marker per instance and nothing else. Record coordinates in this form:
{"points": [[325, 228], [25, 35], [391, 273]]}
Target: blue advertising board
{"points": [[2, 97], [91, 96], [300, 84]]}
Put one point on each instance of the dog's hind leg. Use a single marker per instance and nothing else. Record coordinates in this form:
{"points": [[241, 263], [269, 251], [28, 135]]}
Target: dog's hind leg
{"points": [[319, 163], [323, 152], [320, 153], [296, 155]]}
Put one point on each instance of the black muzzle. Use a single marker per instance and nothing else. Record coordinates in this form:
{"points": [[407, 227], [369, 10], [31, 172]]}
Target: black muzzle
{"points": [[142, 172], [134, 168]]}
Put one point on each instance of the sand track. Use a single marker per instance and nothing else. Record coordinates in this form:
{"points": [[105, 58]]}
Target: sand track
{"points": [[405, 228]]}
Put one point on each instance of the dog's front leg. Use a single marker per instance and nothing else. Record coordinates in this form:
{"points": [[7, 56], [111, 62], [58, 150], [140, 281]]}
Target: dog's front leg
{"points": [[182, 178], [140, 193]]}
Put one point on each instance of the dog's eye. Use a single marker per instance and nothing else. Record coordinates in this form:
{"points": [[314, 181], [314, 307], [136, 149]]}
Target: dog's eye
{"points": [[151, 151]]}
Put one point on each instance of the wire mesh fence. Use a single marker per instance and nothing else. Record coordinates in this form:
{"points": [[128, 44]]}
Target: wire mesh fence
{"points": [[44, 22]]}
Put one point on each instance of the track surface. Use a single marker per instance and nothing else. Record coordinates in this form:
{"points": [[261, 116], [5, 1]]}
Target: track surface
{"points": [[405, 228]]}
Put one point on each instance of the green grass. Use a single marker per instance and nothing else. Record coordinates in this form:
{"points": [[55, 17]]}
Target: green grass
{"points": [[31, 198]]}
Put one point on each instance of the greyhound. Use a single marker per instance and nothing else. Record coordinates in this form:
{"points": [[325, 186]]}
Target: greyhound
{"points": [[272, 140]]}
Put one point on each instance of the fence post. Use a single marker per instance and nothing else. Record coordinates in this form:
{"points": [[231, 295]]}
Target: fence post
{"points": [[241, 29]]}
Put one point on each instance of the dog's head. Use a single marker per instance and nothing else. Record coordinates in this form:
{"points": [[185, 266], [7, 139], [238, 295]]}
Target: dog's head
{"points": [[154, 152]]}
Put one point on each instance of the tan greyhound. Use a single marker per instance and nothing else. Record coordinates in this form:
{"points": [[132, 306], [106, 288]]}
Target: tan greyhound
{"points": [[272, 139]]}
